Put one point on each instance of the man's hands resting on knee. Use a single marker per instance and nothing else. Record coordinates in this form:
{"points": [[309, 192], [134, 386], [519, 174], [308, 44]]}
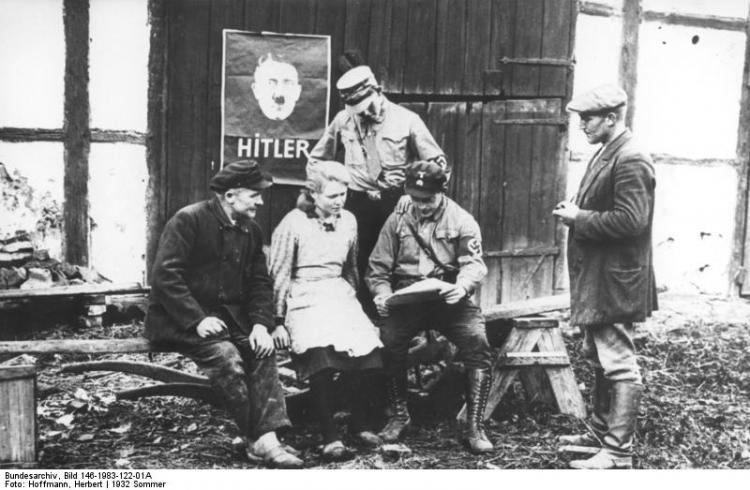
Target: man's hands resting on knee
{"points": [[210, 326], [261, 341]]}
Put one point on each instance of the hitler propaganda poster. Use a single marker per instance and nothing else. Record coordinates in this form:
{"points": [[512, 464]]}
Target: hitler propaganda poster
{"points": [[275, 95]]}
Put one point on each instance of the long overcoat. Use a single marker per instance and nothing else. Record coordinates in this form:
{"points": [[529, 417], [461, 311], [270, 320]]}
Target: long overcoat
{"points": [[205, 265], [610, 258]]}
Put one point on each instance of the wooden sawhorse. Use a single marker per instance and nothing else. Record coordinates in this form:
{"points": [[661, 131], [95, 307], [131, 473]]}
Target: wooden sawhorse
{"points": [[535, 351]]}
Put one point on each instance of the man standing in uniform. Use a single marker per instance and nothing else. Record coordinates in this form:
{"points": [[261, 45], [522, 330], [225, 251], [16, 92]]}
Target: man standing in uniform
{"points": [[211, 300], [611, 271], [379, 139], [433, 237]]}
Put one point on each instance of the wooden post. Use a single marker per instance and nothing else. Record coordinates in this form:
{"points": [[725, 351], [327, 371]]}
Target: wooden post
{"points": [[631, 20], [77, 137], [155, 146], [740, 284]]}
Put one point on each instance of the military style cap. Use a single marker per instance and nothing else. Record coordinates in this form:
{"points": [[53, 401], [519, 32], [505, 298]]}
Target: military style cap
{"points": [[242, 174], [356, 86], [424, 179], [598, 99]]}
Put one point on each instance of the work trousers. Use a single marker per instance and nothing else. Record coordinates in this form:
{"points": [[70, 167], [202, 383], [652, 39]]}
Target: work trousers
{"points": [[610, 347], [370, 215], [250, 386], [462, 323]]}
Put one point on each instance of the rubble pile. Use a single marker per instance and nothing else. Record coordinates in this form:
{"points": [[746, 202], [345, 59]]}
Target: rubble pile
{"points": [[24, 267]]}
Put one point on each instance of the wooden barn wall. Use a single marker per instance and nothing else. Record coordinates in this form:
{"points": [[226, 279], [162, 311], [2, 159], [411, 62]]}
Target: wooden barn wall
{"points": [[458, 63]]}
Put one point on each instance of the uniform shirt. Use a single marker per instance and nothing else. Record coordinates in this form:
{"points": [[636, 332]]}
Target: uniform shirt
{"points": [[401, 138], [453, 235]]}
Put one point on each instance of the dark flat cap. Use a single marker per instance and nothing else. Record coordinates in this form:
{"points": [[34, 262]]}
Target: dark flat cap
{"points": [[424, 179], [242, 174], [598, 99]]}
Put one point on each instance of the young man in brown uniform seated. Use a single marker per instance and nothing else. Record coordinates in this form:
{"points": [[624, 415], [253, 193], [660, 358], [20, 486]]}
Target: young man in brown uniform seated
{"points": [[433, 237], [211, 300]]}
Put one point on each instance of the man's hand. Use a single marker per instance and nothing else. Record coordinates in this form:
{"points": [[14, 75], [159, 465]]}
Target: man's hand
{"points": [[281, 338], [380, 304], [261, 341], [453, 294], [403, 204], [210, 326], [567, 212]]}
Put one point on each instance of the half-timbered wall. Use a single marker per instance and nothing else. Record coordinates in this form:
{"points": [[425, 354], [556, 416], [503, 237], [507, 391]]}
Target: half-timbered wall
{"points": [[490, 78]]}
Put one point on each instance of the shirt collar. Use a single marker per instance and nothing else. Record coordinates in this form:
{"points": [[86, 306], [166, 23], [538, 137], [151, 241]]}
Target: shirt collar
{"points": [[434, 216], [224, 220]]}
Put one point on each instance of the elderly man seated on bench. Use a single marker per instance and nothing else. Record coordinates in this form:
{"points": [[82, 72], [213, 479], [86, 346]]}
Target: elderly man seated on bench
{"points": [[211, 300]]}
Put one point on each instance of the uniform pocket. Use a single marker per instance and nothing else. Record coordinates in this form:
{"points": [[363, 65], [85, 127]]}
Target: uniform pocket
{"points": [[354, 156], [393, 149]]}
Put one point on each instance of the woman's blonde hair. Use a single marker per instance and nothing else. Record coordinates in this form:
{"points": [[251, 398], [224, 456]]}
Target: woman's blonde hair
{"points": [[318, 175]]}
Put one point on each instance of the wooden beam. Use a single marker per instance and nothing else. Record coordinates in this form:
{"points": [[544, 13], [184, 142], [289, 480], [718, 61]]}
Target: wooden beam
{"points": [[75, 236], [75, 290], [149, 370], [631, 20], [156, 160], [17, 135], [527, 307], [77, 346], [523, 252], [598, 9], [694, 20], [740, 249]]}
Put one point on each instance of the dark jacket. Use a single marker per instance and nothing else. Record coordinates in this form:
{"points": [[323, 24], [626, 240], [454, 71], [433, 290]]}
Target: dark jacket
{"points": [[609, 246], [206, 266]]}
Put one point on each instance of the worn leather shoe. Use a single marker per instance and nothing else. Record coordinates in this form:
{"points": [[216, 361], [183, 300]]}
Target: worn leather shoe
{"points": [[336, 451], [275, 457], [605, 459]]}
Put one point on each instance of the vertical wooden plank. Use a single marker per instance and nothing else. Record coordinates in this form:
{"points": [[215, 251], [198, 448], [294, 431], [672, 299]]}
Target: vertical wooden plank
{"points": [[297, 16], [420, 108], [419, 75], [379, 45], [156, 158], [225, 14], [76, 134], [478, 39], [261, 15], [17, 417], [561, 379], [442, 121], [357, 29], [397, 58], [187, 86], [555, 33], [519, 142], [503, 34], [330, 20], [527, 44], [451, 46], [631, 20], [469, 161], [741, 247]]}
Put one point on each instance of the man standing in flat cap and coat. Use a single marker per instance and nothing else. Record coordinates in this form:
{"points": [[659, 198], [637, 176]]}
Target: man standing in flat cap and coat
{"points": [[611, 271], [379, 139], [432, 237], [211, 300]]}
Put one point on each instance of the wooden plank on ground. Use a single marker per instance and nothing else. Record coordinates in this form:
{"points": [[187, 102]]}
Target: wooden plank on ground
{"points": [[76, 290], [76, 346], [146, 369], [419, 74], [451, 46]]}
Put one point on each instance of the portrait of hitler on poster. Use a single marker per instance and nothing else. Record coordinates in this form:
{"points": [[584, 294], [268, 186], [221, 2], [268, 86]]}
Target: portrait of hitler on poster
{"points": [[275, 99]]}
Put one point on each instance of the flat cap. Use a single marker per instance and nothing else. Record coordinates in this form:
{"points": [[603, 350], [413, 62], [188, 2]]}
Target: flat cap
{"points": [[598, 99], [425, 178], [241, 174]]}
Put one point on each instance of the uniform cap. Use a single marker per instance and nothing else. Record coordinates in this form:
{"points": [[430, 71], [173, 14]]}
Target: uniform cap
{"points": [[356, 86], [424, 179], [598, 99], [241, 174]]}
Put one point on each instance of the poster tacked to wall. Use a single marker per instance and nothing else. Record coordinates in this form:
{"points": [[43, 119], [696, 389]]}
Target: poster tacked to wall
{"points": [[275, 98]]}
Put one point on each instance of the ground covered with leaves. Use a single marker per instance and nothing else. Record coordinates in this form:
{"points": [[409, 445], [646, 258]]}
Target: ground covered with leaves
{"points": [[695, 356]]}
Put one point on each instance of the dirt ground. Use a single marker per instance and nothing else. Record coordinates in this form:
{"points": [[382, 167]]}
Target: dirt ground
{"points": [[694, 352]]}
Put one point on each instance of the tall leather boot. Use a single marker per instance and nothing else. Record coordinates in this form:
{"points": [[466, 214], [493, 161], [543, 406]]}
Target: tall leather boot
{"points": [[617, 443], [600, 398], [478, 386], [398, 416]]}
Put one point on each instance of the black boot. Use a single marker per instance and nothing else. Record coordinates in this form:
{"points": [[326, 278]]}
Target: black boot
{"points": [[617, 443], [478, 386], [398, 417], [600, 398]]}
